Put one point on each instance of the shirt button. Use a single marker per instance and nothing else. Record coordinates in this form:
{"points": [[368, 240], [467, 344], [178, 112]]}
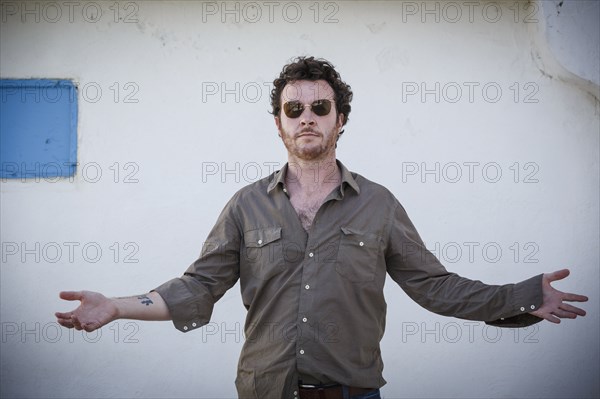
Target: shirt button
{"points": [[532, 307], [361, 243], [307, 287], [194, 324], [185, 328], [311, 254], [295, 393], [304, 319], [285, 190], [259, 242], [522, 308], [302, 351]]}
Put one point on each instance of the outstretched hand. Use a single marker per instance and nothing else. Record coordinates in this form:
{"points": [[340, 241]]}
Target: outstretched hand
{"points": [[553, 309], [94, 311]]}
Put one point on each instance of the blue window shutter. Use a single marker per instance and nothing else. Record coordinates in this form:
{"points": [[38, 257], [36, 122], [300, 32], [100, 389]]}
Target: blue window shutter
{"points": [[38, 128]]}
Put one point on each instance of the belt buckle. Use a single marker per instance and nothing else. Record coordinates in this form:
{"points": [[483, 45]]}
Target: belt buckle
{"points": [[317, 386], [321, 391], [306, 386]]}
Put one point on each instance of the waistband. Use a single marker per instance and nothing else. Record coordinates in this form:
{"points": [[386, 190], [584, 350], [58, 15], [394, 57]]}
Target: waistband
{"points": [[331, 391]]}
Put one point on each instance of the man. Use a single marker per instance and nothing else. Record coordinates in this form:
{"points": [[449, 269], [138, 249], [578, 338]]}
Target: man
{"points": [[311, 245]]}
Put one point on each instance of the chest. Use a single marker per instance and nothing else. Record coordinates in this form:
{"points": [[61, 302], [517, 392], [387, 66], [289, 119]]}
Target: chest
{"points": [[306, 207]]}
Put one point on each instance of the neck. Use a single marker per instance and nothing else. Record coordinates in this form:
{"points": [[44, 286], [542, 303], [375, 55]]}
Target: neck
{"points": [[313, 175]]}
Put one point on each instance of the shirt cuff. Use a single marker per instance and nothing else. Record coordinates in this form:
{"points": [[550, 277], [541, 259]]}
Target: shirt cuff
{"points": [[527, 297], [188, 311]]}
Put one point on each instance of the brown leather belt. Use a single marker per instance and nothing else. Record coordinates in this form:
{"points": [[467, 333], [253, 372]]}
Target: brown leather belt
{"points": [[330, 392]]}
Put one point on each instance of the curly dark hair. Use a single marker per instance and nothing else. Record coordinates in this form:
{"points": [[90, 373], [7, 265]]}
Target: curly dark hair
{"points": [[311, 68]]}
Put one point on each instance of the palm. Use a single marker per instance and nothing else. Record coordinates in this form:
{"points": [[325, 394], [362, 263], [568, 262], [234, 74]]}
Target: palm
{"points": [[553, 308], [94, 311]]}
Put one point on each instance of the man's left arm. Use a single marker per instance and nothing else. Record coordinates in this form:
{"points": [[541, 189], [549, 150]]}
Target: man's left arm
{"points": [[426, 281]]}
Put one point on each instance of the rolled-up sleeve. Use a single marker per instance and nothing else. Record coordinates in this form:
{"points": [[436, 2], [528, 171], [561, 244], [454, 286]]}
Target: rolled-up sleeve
{"points": [[191, 297], [427, 282]]}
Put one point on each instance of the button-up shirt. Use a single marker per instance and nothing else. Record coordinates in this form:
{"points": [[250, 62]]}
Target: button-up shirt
{"points": [[315, 299]]}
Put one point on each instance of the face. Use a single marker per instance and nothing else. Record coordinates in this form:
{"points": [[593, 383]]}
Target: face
{"points": [[309, 137]]}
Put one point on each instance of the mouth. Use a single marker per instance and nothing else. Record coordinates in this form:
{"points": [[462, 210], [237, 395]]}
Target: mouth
{"points": [[309, 133]]}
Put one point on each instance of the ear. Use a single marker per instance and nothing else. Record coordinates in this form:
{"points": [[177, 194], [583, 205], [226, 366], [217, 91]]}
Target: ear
{"points": [[277, 123], [340, 120]]}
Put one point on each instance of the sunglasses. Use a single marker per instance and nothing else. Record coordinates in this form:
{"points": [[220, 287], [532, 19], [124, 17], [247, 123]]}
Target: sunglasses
{"points": [[294, 109]]}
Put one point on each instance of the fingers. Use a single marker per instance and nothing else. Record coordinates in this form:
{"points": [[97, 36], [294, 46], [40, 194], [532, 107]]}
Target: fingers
{"points": [[564, 314], [60, 315], [71, 321], [68, 320], [574, 297], [90, 327], [558, 275], [572, 309], [563, 311], [76, 323], [551, 318], [64, 321], [71, 295]]}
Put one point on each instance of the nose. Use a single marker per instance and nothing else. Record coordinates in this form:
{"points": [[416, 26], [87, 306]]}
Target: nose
{"points": [[308, 117]]}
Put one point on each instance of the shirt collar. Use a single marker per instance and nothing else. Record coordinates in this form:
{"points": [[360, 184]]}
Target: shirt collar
{"points": [[278, 179]]}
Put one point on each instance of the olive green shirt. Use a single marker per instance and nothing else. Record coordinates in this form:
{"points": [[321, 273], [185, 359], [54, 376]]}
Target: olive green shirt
{"points": [[315, 300]]}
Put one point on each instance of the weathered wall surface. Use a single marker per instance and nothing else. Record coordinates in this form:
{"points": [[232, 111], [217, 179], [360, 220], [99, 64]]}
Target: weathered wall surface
{"points": [[481, 117]]}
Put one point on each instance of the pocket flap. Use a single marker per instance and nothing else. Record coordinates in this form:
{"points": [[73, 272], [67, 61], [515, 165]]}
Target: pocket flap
{"points": [[351, 231], [260, 237], [360, 237]]}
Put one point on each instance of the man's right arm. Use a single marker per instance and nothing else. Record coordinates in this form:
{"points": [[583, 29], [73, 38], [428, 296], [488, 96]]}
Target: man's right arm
{"points": [[96, 310], [187, 300]]}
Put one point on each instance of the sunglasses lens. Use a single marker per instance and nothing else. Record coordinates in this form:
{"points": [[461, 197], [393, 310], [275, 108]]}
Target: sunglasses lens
{"points": [[321, 107], [293, 109]]}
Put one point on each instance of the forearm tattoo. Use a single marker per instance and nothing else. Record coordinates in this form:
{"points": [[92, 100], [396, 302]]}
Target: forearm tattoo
{"points": [[145, 300]]}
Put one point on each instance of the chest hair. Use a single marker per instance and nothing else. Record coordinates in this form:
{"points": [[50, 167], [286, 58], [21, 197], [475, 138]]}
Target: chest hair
{"points": [[307, 209], [307, 215]]}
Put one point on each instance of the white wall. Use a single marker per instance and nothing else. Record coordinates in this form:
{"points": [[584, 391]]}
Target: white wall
{"points": [[544, 125]]}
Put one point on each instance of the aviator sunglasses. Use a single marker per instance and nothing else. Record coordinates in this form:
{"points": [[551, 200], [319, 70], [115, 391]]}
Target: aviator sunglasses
{"points": [[294, 109]]}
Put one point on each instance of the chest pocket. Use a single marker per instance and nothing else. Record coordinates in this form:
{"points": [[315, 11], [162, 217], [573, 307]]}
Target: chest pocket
{"points": [[357, 255], [263, 252]]}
